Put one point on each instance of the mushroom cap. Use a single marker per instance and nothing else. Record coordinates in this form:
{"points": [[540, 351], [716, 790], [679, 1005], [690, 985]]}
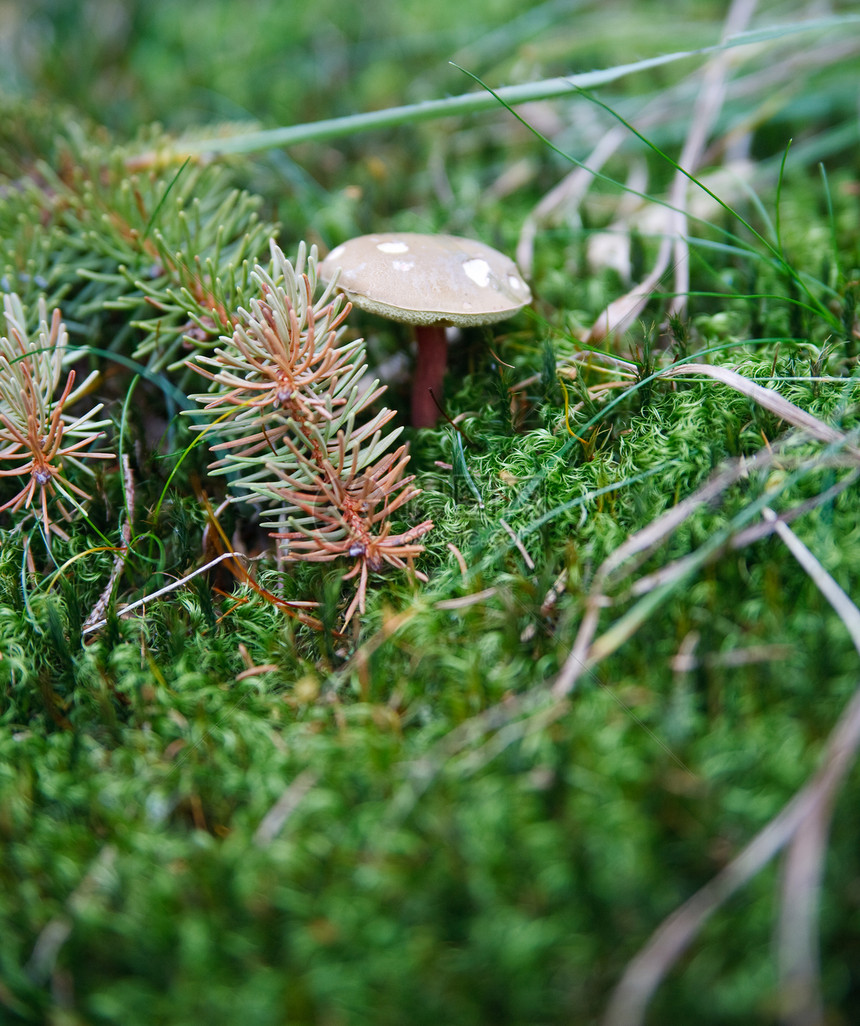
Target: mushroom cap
{"points": [[427, 279]]}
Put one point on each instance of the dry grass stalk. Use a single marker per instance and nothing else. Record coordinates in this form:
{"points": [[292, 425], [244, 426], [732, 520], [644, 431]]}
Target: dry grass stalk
{"points": [[769, 399], [802, 824]]}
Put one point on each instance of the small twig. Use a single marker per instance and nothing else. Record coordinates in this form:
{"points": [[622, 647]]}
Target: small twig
{"points": [[465, 600], [89, 628], [552, 596], [273, 822], [98, 610], [256, 671], [56, 931], [461, 562], [530, 563]]}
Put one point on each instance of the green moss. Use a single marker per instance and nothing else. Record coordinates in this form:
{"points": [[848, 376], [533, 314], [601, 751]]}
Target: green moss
{"points": [[211, 810]]}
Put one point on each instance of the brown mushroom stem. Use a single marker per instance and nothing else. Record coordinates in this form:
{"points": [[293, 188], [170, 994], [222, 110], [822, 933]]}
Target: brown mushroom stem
{"points": [[429, 373]]}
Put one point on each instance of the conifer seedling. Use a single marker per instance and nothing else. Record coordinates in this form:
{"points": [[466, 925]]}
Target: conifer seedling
{"points": [[295, 432], [38, 435]]}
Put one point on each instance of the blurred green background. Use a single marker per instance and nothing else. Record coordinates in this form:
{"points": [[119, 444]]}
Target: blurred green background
{"points": [[195, 65], [199, 61]]}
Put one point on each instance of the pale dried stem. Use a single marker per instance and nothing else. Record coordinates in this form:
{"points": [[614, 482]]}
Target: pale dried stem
{"points": [[621, 312], [181, 582], [749, 535], [803, 823], [568, 194], [276, 818], [527, 559], [630, 554], [98, 610], [708, 104], [587, 651], [771, 400], [804, 865]]}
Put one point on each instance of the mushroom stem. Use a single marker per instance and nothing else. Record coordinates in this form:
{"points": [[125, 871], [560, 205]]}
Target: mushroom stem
{"points": [[429, 373]]}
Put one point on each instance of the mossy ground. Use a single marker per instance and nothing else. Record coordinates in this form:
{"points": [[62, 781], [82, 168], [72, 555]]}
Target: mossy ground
{"points": [[210, 811]]}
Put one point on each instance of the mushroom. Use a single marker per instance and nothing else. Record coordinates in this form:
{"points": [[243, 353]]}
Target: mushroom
{"points": [[430, 281]]}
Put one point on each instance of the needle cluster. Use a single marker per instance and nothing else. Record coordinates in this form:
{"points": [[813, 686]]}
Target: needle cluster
{"points": [[286, 400], [39, 439]]}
